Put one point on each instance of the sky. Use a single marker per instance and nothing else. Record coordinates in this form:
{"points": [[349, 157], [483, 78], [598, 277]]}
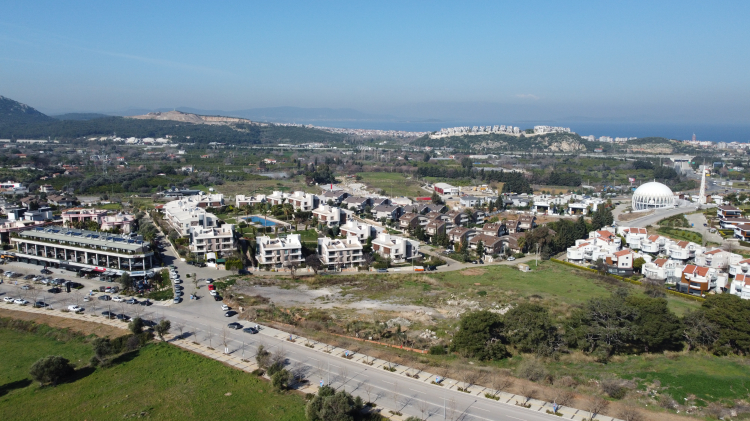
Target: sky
{"points": [[664, 61]]}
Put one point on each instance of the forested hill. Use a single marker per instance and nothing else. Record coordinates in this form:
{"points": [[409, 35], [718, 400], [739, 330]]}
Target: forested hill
{"points": [[556, 142], [14, 113], [18, 121]]}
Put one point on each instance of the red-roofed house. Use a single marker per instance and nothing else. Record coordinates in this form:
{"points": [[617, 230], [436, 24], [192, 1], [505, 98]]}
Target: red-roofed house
{"points": [[682, 250], [698, 280], [621, 262], [741, 286], [605, 239], [663, 270], [716, 258]]}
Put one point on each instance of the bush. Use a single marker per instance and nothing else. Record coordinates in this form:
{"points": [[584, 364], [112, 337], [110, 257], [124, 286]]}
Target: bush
{"points": [[280, 379], [437, 350], [51, 369], [531, 369]]}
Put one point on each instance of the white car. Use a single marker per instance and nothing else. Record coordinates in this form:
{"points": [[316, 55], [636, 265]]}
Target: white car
{"points": [[511, 258], [20, 301], [8, 299], [117, 298], [225, 307], [87, 298], [212, 292], [177, 281], [74, 308]]}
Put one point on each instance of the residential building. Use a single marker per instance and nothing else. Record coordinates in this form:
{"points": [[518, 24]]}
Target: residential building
{"points": [[682, 250], [184, 213], [510, 242], [512, 226], [329, 216], [716, 258], [82, 249], [477, 217], [698, 280], [408, 221], [277, 198], [80, 215], [654, 244], [492, 245], [741, 286], [44, 213], [340, 253], [728, 211], [742, 231], [470, 201], [242, 200], [667, 270], [278, 252], [732, 223], [335, 196], [389, 212], [621, 262], [398, 249], [357, 203], [633, 236], [526, 222], [125, 223], [302, 201], [496, 229], [581, 252], [740, 267], [435, 227], [457, 218], [215, 239], [360, 230], [60, 201], [458, 234], [606, 239]]}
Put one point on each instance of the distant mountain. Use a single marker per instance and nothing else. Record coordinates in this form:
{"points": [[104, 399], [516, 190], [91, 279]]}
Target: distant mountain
{"points": [[275, 114], [80, 116], [13, 112]]}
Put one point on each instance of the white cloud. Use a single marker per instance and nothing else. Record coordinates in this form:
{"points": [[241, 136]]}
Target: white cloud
{"points": [[527, 96]]}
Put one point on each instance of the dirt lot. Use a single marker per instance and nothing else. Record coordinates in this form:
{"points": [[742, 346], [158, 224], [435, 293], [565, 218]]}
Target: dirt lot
{"points": [[86, 328], [633, 215]]}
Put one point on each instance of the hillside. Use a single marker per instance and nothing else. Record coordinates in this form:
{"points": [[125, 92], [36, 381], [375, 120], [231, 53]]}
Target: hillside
{"points": [[79, 116], [13, 113], [554, 142], [21, 121]]}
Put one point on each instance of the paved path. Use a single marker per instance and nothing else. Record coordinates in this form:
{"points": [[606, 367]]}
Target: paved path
{"points": [[204, 327]]}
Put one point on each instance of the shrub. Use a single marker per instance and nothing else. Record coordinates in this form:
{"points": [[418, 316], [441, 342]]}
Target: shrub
{"points": [[531, 369], [51, 369], [437, 350]]}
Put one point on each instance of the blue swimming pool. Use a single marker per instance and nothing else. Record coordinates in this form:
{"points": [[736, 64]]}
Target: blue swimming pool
{"points": [[262, 222]]}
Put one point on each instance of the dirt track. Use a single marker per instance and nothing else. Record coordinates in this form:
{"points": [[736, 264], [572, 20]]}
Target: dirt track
{"points": [[86, 328]]}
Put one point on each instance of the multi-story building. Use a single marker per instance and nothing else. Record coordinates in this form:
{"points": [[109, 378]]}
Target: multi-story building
{"points": [[491, 244], [459, 234], [340, 253], [81, 249], [278, 252], [409, 220], [445, 189], [78, 215], [302, 201], [728, 211], [496, 229], [682, 250], [667, 270], [242, 200], [277, 198], [122, 222], [633, 236], [389, 212], [621, 262], [356, 203], [398, 249], [526, 222], [330, 216], [716, 258], [218, 240], [335, 196], [435, 227], [184, 213], [698, 279], [740, 286], [361, 230], [457, 218]]}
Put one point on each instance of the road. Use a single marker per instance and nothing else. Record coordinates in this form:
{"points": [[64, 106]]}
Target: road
{"points": [[204, 322]]}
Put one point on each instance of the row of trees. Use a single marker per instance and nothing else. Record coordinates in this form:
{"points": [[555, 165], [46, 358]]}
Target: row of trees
{"points": [[620, 324]]}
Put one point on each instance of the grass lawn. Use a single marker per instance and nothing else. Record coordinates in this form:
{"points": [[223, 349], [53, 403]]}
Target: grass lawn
{"points": [[308, 236], [395, 184], [679, 234], [161, 380]]}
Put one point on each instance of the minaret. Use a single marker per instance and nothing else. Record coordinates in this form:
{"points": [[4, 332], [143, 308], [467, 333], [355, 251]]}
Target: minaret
{"points": [[702, 193]]}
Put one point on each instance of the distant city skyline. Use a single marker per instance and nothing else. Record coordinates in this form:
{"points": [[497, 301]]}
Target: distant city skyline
{"points": [[670, 62]]}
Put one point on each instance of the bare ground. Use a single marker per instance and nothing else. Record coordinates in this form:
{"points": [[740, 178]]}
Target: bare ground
{"points": [[87, 328]]}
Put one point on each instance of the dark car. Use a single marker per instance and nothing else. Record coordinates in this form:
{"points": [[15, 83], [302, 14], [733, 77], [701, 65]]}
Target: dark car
{"points": [[40, 304], [54, 290], [122, 317], [46, 272], [27, 277], [234, 325], [105, 297], [178, 287], [230, 313], [108, 314], [481, 262], [200, 264], [382, 270], [217, 298], [431, 267], [250, 330], [146, 302]]}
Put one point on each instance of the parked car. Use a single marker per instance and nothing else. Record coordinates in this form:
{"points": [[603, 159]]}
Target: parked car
{"points": [[123, 317], [20, 301], [210, 280], [230, 313], [177, 300], [74, 308], [217, 298], [8, 299], [251, 330], [108, 314], [117, 299], [382, 271], [177, 281], [145, 303], [132, 301], [54, 290], [178, 287], [40, 304], [26, 287], [105, 297], [511, 258], [213, 292], [225, 307], [27, 277], [178, 293], [234, 325], [87, 298], [46, 272]]}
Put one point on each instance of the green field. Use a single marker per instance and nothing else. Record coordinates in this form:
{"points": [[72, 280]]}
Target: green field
{"points": [[394, 184], [160, 382]]}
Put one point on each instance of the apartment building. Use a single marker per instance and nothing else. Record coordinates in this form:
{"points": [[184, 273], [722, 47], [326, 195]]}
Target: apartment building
{"points": [[277, 198], [242, 200], [340, 253], [123, 222], [621, 262], [496, 229], [80, 215], [335, 197], [183, 214], [526, 222], [698, 280], [716, 258], [360, 230], [457, 218], [82, 249], [218, 240], [491, 244], [302, 201], [357, 203], [682, 250], [740, 286], [727, 211], [408, 221], [389, 212], [667, 270], [330, 216], [436, 227], [398, 249], [278, 252], [458, 234]]}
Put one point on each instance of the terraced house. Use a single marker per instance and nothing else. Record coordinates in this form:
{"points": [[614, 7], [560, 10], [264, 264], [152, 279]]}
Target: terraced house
{"points": [[80, 249]]}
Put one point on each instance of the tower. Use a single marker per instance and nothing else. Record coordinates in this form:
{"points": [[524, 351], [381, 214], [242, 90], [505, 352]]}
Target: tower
{"points": [[693, 137], [702, 193]]}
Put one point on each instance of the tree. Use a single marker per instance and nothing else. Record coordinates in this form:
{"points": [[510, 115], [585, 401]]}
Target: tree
{"points": [[698, 331], [436, 200], [656, 327], [529, 328], [329, 405], [102, 348], [313, 262], [730, 314], [280, 380], [163, 328], [426, 157], [125, 281], [292, 266], [478, 336], [51, 369], [480, 249], [604, 326], [638, 263], [136, 326]]}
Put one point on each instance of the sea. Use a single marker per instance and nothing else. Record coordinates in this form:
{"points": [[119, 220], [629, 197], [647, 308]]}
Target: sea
{"points": [[679, 131]]}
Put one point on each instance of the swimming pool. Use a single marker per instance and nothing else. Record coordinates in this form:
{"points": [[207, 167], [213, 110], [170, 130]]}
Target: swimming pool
{"points": [[262, 222]]}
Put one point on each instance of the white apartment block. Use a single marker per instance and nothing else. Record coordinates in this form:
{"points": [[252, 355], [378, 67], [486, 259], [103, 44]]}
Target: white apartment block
{"points": [[302, 201], [398, 249], [331, 216], [242, 200], [740, 286], [123, 222], [212, 239], [340, 253], [277, 252], [184, 214], [277, 198], [360, 230], [667, 270], [716, 258]]}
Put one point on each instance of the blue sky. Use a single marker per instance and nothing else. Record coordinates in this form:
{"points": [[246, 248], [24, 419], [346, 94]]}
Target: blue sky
{"points": [[625, 61]]}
